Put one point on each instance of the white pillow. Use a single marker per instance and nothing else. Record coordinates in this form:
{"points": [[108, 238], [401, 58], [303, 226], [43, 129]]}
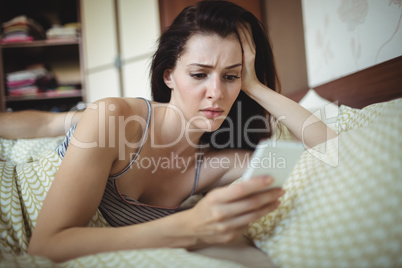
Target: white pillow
{"points": [[324, 109], [312, 101], [320, 107]]}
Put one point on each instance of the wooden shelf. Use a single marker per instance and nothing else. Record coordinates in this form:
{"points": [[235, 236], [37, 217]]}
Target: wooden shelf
{"points": [[43, 43], [46, 96], [61, 57]]}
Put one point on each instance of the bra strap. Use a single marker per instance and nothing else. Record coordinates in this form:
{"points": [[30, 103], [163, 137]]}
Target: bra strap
{"points": [[197, 172], [142, 142]]}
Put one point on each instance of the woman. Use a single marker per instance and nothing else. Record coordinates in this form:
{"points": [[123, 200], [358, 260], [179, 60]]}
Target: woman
{"points": [[137, 160]]}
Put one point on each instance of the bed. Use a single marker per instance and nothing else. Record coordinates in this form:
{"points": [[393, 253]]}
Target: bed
{"points": [[342, 206]]}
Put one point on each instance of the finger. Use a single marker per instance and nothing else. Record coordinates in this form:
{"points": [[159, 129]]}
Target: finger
{"points": [[246, 38], [243, 39], [250, 39], [258, 201], [226, 234], [244, 220], [252, 203], [240, 190], [242, 36]]}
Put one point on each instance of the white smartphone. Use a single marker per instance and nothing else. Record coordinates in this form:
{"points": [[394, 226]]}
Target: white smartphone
{"points": [[274, 158]]}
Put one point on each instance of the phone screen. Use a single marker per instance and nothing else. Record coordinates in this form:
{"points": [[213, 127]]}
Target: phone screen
{"points": [[274, 158]]}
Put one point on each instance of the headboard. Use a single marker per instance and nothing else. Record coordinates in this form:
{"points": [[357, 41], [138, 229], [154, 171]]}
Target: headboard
{"points": [[382, 82]]}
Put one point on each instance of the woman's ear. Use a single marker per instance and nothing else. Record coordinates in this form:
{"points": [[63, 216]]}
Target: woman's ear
{"points": [[167, 78]]}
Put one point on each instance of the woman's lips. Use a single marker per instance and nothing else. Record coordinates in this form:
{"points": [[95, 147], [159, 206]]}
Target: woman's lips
{"points": [[212, 113]]}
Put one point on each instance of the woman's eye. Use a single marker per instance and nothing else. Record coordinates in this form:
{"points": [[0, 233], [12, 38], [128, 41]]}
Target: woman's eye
{"points": [[231, 77], [198, 75]]}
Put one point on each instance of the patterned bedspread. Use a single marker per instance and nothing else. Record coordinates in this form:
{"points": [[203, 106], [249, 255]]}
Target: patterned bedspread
{"points": [[341, 207]]}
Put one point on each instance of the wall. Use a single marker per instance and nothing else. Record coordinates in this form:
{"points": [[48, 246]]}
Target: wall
{"points": [[100, 49], [127, 31], [345, 36], [284, 23], [341, 37], [138, 23]]}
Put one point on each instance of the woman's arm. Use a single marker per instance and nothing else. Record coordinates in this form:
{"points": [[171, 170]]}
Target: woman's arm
{"points": [[220, 217], [75, 194], [61, 232], [303, 125], [36, 124]]}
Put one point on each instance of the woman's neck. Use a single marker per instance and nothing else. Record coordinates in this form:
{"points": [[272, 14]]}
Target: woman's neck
{"points": [[171, 131]]}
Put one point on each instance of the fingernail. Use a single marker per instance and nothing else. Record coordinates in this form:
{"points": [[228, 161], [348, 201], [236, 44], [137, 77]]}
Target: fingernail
{"points": [[268, 180]]}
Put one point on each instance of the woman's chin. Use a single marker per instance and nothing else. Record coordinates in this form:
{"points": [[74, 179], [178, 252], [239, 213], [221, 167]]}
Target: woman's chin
{"points": [[208, 125]]}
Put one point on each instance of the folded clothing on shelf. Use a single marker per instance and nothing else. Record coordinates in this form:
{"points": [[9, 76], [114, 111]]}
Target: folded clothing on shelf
{"points": [[24, 91], [22, 29], [29, 82], [69, 30]]}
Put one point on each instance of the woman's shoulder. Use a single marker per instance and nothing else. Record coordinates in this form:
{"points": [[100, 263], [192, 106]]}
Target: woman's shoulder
{"points": [[111, 116], [119, 106]]}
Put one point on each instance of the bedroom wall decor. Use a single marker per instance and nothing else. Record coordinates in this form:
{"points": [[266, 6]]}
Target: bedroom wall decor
{"points": [[345, 36]]}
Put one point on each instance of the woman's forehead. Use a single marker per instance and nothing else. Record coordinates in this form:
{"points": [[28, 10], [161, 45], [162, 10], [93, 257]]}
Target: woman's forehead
{"points": [[202, 38], [205, 47]]}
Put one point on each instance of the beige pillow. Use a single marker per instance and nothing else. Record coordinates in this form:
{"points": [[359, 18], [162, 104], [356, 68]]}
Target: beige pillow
{"points": [[348, 214]]}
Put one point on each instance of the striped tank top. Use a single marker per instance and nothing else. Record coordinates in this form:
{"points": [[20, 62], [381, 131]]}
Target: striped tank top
{"points": [[121, 210]]}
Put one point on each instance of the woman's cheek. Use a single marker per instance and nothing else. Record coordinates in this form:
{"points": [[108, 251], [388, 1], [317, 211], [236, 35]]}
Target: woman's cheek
{"points": [[236, 88]]}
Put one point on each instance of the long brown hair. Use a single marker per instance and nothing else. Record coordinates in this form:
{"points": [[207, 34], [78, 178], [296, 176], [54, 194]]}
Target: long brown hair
{"points": [[222, 18]]}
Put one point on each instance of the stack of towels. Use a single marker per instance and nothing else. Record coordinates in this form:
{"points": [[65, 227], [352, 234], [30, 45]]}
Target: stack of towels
{"points": [[67, 31], [28, 82], [22, 29]]}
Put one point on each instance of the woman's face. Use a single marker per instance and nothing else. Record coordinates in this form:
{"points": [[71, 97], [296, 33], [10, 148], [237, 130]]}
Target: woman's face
{"points": [[206, 79]]}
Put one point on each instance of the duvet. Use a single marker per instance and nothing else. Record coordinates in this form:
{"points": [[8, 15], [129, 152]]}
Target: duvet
{"points": [[342, 206]]}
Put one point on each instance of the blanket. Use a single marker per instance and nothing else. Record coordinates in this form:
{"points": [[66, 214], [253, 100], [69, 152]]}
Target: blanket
{"points": [[23, 189], [341, 207]]}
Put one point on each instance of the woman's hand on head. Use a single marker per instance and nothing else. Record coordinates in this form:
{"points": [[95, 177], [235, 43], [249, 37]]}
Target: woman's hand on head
{"points": [[224, 214], [249, 76]]}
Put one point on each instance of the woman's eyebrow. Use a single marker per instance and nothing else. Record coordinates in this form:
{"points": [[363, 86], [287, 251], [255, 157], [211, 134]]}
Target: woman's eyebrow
{"points": [[210, 66], [234, 66]]}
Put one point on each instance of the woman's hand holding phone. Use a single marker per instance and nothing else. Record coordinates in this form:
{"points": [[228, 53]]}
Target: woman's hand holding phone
{"points": [[225, 213]]}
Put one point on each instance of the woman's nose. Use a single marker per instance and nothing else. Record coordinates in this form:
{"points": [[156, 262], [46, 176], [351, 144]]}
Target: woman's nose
{"points": [[214, 91]]}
